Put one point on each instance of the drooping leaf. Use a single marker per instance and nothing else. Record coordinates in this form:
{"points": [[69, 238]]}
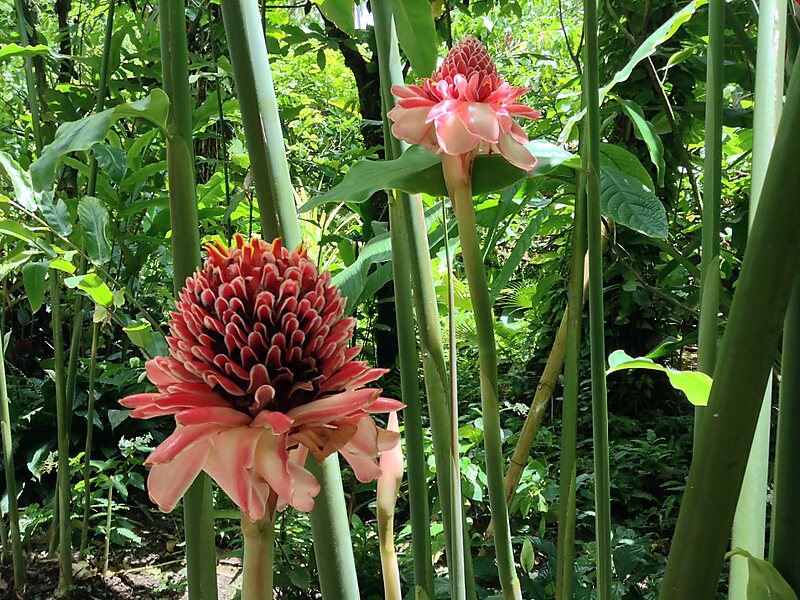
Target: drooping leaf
{"points": [[85, 133], [62, 265], [617, 157], [20, 180], [33, 278], [694, 384], [764, 582], [527, 558], [112, 160], [94, 221], [341, 13], [94, 287], [9, 50], [629, 202], [141, 334], [352, 279], [647, 133], [19, 231], [416, 34]]}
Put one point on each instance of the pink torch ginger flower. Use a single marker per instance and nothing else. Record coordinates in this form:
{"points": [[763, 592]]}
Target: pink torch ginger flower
{"points": [[464, 107], [259, 375]]}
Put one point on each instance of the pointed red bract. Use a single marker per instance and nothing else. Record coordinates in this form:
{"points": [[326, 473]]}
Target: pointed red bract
{"points": [[464, 107], [260, 374]]}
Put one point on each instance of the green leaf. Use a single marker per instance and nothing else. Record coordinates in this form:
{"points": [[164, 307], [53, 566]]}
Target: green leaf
{"points": [[341, 13], [352, 279], [522, 246], [94, 221], [94, 287], [141, 334], [62, 265], [55, 214], [19, 231], [416, 34], [694, 384], [764, 582], [527, 559], [629, 202], [112, 160], [33, 278], [648, 47], [9, 50], [85, 133], [647, 133], [615, 156], [20, 180]]}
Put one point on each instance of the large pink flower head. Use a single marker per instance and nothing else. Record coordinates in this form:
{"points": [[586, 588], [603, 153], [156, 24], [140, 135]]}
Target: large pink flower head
{"points": [[465, 106], [260, 374]]}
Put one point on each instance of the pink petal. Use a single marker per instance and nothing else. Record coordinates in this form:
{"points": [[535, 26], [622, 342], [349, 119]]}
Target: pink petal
{"points": [[278, 422], [383, 405], [453, 136], [391, 465], [168, 482], [410, 124], [180, 441], [306, 486], [523, 111], [230, 464], [152, 405], [333, 407], [444, 108], [480, 120], [165, 370], [292, 483], [516, 153], [224, 416], [352, 375]]}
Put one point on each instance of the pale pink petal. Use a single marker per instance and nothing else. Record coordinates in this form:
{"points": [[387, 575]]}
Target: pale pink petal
{"points": [[366, 468], [230, 464], [453, 136], [445, 107], [217, 415], [409, 124], [352, 375], [270, 463], [391, 465], [182, 439], [306, 487], [165, 370], [518, 133], [516, 153], [402, 91], [383, 405], [278, 422], [333, 407], [480, 120], [168, 482], [523, 111]]}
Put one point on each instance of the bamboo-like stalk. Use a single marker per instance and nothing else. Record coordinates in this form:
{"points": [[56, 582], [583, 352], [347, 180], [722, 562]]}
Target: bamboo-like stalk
{"points": [[785, 530], [590, 155], [262, 126], [109, 511], [749, 522], [565, 568], [259, 545], [410, 254], [197, 502], [87, 456], [748, 347], [30, 82], [459, 187], [62, 421], [330, 528], [385, 502], [18, 557]]}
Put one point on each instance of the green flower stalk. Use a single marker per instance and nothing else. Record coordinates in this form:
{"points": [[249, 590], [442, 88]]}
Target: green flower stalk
{"points": [[463, 108]]}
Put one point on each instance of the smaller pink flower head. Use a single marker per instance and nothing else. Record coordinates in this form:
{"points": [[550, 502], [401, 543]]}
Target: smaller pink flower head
{"points": [[465, 106], [260, 374]]}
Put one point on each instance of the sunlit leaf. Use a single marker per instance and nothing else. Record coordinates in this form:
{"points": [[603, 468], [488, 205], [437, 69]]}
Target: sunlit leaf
{"points": [[94, 287], [694, 384], [629, 202], [33, 278], [416, 34]]}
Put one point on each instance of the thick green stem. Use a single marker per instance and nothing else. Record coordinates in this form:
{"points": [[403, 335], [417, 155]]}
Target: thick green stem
{"points": [[197, 502], [62, 419], [262, 126], [749, 522], [11, 480], [748, 347], [565, 567], [412, 414], [786, 496], [87, 456], [257, 569], [459, 188], [590, 154], [330, 528], [30, 82]]}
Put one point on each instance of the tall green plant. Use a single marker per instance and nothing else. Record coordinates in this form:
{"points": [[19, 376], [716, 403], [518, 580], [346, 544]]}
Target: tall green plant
{"points": [[748, 347], [749, 522], [197, 503]]}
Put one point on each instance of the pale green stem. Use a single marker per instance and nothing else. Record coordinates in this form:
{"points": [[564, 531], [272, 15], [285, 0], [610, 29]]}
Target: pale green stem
{"points": [[257, 569], [87, 457], [590, 155], [330, 528], [749, 522], [11, 482], [197, 502], [457, 178], [565, 567], [109, 510]]}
